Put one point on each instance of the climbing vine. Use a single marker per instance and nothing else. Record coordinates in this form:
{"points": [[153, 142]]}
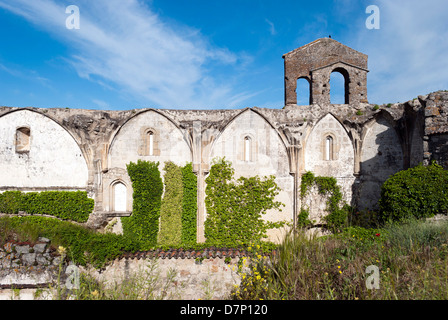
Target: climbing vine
{"points": [[326, 186], [143, 225], [235, 206], [171, 208], [189, 205]]}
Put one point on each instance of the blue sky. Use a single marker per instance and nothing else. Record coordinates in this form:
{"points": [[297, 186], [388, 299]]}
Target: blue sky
{"points": [[197, 54]]}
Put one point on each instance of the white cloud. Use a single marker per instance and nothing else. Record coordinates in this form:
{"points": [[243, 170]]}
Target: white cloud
{"points": [[271, 27], [123, 44], [408, 54]]}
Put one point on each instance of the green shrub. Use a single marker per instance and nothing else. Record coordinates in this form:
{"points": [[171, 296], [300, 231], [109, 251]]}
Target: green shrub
{"points": [[10, 202], [235, 207], [66, 205], [415, 193], [83, 245], [171, 208], [143, 225], [189, 205]]}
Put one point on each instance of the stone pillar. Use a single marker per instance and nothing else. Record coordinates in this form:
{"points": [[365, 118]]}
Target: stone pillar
{"points": [[320, 87], [202, 141], [293, 156], [290, 90]]}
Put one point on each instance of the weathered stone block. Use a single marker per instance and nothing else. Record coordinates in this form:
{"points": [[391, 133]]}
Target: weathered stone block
{"points": [[22, 249], [29, 259], [432, 111], [39, 247], [8, 247]]}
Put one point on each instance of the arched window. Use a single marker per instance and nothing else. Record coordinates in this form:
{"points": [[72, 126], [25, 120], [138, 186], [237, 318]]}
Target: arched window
{"points": [[303, 91], [339, 86], [23, 139], [150, 142], [119, 197], [247, 148], [329, 148]]}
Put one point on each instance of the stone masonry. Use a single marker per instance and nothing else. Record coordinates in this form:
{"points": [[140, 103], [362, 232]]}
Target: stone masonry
{"points": [[358, 143]]}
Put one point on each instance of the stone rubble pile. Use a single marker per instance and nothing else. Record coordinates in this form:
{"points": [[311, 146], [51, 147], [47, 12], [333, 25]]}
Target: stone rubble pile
{"points": [[23, 264]]}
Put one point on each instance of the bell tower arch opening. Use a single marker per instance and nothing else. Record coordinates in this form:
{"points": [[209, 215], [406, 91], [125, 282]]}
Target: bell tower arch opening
{"points": [[303, 91], [317, 62], [339, 86]]}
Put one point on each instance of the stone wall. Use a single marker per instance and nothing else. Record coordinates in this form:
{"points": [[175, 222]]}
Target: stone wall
{"points": [[35, 271], [189, 279], [28, 266], [60, 149]]}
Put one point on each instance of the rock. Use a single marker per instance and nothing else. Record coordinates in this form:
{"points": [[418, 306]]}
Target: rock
{"points": [[15, 263], [8, 247], [57, 261], [40, 247], [22, 249], [29, 259], [41, 260], [5, 263], [42, 239]]}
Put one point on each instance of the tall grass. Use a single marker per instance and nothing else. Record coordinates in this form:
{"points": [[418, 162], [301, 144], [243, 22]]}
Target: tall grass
{"points": [[145, 284], [412, 259]]}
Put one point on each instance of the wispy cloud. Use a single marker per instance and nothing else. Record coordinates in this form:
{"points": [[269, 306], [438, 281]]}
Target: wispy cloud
{"points": [[20, 72], [126, 46], [408, 54], [271, 27]]}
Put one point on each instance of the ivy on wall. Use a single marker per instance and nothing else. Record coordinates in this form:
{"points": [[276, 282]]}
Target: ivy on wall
{"points": [[337, 216], [235, 206], [177, 210], [189, 205], [143, 225], [171, 208], [66, 205]]}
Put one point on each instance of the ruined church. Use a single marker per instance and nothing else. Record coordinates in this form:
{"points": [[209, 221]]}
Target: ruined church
{"points": [[358, 143]]}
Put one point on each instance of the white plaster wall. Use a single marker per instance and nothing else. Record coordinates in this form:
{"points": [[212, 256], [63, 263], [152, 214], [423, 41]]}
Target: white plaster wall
{"points": [[341, 166], [125, 147], [381, 157], [54, 159], [269, 157]]}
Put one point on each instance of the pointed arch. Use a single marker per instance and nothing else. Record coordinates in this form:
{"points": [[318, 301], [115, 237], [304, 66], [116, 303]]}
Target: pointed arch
{"points": [[46, 155], [255, 110], [132, 140], [381, 156], [250, 131], [341, 151]]}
